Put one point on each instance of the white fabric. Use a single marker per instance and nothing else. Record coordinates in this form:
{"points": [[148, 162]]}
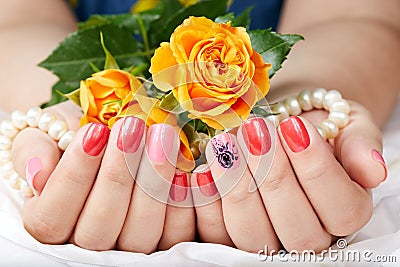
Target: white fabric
{"points": [[381, 235]]}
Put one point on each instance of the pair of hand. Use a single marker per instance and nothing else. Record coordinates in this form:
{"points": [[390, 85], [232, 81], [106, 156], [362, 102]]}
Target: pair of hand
{"points": [[313, 192]]}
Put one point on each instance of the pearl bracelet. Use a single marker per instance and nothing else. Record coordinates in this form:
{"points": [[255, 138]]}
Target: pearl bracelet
{"points": [[36, 118], [319, 98]]}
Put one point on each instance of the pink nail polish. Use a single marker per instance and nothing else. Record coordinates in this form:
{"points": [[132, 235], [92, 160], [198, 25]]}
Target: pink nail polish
{"points": [[225, 151], [160, 143], [378, 157], [179, 187], [130, 135], [32, 168]]}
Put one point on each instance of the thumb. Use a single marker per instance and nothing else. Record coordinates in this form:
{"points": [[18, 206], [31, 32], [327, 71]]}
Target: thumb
{"points": [[35, 155], [359, 148]]}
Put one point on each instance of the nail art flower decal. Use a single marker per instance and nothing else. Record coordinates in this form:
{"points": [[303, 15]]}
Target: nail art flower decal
{"points": [[225, 152]]}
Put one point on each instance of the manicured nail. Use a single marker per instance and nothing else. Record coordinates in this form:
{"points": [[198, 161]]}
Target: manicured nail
{"points": [[179, 187], [130, 135], [378, 157], [256, 136], [206, 183], [95, 139], [295, 134], [225, 150], [161, 141], [32, 168]]}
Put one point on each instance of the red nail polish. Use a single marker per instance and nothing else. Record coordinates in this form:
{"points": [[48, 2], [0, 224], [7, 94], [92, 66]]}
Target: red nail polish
{"points": [[256, 136], [130, 135], [179, 187], [206, 183], [95, 139], [295, 134], [378, 157]]}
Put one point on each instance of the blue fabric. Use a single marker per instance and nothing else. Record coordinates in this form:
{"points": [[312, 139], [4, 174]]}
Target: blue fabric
{"points": [[265, 13]]}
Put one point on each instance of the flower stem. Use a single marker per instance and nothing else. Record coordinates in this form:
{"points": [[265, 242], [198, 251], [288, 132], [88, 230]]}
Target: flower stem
{"points": [[144, 35]]}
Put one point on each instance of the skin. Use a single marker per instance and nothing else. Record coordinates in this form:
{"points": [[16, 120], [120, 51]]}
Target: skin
{"points": [[342, 40]]}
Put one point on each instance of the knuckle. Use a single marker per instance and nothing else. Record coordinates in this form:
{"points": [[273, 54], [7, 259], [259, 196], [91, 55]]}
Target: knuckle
{"points": [[46, 230], [114, 178], [237, 196], [138, 247], [312, 242], [274, 181], [353, 219], [314, 171]]}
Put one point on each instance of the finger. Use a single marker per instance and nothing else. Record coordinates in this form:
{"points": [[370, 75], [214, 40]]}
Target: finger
{"points": [[207, 203], [359, 149], [288, 207], [180, 225], [151, 191], [35, 160], [342, 205], [233, 178], [51, 217], [109, 198]]}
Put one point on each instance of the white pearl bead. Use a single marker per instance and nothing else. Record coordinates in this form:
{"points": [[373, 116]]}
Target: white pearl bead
{"points": [[304, 99], [341, 119], [45, 121], [330, 128], [57, 129], [331, 97], [33, 116], [293, 106], [7, 169], [14, 180], [65, 140], [321, 131], [317, 97], [18, 118], [340, 105], [25, 189], [8, 129], [5, 143], [5, 156], [280, 110]]}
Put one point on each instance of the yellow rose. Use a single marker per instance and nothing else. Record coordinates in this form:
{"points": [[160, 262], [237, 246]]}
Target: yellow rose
{"points": [[212, 70], [146, 108], [102, 94]]}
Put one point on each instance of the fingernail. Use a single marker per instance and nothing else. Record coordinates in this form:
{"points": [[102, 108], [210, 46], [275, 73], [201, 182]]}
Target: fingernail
{"points": [[32, 168], [378, 157], [295, 134], [256, 136], [179, 187], [225, 150], [206, 183], [161, 141], [130, 135], [95, 139]]}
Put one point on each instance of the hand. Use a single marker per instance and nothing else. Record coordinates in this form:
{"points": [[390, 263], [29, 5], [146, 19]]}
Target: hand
{"points": [[309, 191], [89, 196]]}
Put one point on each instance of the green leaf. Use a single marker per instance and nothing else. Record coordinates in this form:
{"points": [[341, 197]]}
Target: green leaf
{"points": [[190, 132], [129, 21], [70, 60], [243, 19], [74, 96], [56, 97], [110, 60], [273, 47], [225, 18], [170, 103], [261, 112]]}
